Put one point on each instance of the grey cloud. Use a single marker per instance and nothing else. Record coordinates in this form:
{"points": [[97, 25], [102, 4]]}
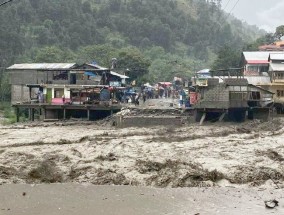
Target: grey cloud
{"points": [[273, 17], [266, 14]]}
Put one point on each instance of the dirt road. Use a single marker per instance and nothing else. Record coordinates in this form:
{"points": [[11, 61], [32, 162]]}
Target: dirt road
{"points": [[71, 199]]}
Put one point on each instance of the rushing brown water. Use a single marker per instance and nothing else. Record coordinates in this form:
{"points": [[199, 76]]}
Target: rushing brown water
{"points": [[246, 156]]}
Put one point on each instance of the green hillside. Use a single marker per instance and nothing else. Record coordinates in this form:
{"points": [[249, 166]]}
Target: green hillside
{"points": [[155, 40]]}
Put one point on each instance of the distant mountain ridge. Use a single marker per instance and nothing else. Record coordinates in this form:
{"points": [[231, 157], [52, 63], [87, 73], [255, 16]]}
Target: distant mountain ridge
{"points": [[188, 31]]}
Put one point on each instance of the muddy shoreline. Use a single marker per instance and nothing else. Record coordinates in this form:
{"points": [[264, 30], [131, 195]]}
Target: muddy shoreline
{"points": [[69, 199]]}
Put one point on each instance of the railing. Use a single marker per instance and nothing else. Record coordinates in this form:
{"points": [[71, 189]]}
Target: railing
{"points": [[87, 82], [60, 82]]}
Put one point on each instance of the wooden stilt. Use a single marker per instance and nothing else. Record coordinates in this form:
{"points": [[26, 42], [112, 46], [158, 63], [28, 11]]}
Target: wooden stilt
{"points": [[222, 117], [64, 114], [88, 114], [17, 114], [30, 93], [32, 114], [202, 118], [44, 113]]}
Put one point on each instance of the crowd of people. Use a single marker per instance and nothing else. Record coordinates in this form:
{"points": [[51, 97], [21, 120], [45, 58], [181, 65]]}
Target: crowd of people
{"points": [[164, 90]]}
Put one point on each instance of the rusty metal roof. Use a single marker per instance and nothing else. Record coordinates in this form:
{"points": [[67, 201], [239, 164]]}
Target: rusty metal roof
{"points": [[42, 66]]}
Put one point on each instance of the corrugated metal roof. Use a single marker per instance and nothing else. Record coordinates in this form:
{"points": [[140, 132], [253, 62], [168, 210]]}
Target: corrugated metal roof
{"points": [[276, 67], [250, 56], [254, 86], [97, 66], [204, 71], [236, 81], [119, 75], [42, 66], [276, 56], [259, 55], [258, 80]]}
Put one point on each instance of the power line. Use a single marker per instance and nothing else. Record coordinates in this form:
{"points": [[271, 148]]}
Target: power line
{"points": [[227, 4], [5, 2], [234, 7]]}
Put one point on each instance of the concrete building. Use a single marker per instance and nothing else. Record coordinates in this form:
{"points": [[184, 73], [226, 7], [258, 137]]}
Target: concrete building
{"points": [[276, 72], [22, 75]]}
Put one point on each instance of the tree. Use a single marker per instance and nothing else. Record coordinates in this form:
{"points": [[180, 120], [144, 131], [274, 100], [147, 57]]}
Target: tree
{"points": [[102, 54], [134, 60], [227, 58], [279, 32], [5, 88], [52, 54], [268, 38]]}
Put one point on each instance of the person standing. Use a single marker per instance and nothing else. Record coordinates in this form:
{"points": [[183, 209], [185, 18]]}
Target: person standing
{"points": [[63, 99], [144, 96], [137, 97]]}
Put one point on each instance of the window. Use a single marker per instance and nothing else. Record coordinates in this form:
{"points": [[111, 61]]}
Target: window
{"points": [[258, 69], [58, 93], [279, 75], [254, 96], [252, 68], [280, 93], [238, 96], [60, 75], [263, 69]]}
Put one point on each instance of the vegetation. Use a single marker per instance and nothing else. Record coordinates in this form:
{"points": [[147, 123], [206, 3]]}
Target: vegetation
{"points": [[8, 116], [154, 40], [227, 58]]}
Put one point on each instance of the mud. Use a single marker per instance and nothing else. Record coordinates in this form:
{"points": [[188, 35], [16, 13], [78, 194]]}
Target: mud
{"points": [[69, 199]]}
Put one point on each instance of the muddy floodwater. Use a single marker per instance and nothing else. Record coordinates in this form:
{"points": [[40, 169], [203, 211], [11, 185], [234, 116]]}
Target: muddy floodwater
{"points": [[234, 164]]}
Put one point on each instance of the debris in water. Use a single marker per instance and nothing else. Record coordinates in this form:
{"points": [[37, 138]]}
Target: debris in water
{"points": [[271, 204]]}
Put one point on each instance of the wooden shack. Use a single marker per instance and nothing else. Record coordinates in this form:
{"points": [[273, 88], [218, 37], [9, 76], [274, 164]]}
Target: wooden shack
{"points": [[64, 90], [232, 99]]}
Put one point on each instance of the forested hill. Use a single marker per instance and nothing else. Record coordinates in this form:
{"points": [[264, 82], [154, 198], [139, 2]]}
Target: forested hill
{"points": [[164, 37]]}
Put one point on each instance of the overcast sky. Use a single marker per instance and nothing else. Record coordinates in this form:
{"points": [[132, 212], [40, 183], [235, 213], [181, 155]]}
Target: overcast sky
{"points": [[266, 14]]}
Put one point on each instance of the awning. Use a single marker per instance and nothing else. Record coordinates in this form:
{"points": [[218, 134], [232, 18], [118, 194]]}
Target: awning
{"points": [[165, 83], [118, 75], [257, 61]]}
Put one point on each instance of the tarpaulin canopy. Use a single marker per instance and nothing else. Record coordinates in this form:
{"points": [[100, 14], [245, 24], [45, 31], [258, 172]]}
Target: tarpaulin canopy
{"points": [[165, 83], [148, 85]]}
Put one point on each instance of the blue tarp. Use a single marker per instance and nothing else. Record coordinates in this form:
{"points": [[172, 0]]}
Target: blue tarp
{"points": [[90, 73], [104, 95]]}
